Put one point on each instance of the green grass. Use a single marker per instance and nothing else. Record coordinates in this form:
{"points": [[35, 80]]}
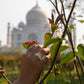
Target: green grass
{"points": [[13, 72], [64, 82]]}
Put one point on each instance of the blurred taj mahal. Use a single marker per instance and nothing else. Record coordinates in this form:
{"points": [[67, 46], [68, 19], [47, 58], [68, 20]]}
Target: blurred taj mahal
{"points": [[34, 29]]}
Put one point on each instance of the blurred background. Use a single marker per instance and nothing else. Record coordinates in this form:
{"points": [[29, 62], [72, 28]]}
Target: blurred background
{"points": [[22, 20]]}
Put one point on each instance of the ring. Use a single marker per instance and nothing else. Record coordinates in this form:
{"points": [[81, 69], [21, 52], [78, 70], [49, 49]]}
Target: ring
{"points": [[39, 55]]}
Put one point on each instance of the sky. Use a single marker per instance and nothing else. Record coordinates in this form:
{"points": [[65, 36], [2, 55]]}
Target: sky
{"points": [[14, 11]]}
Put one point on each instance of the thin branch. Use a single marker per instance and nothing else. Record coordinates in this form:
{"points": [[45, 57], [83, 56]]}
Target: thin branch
{"points": [[80, 65], [70, 39], [52, 3], [75, 60], [52, 63], [56, 2], [63, 9], [77, 71], [9, 82], [59, 43], [57, 10], [55, 6]]}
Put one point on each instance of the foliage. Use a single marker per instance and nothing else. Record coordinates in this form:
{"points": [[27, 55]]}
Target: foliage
{"points": [[55, 44], [53, 40], [9, 60], [80, 48], [68, 57], [71, 27], [4, 81], [81, 21], [62, 58], [14, 51], [11, 65], [28, 44]]}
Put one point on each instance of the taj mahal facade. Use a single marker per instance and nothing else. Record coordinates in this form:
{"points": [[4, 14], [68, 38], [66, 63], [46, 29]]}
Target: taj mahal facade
{"points": [[34, 29]]}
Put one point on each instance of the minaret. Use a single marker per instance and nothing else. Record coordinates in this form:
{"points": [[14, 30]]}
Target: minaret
{"points": [[8, 36], [0, 44], [74, 37], [37, 3]]}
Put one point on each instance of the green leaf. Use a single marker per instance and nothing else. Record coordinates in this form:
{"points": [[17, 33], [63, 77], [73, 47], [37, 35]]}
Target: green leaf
{"points": [[53, 27], [47, 36], [62, 48], [68, 57], [25, 45], [50, 79], [53, 40], [53, 49], [81, 21], [80, 48], [71, 27], [4, 81], [79, 16]]}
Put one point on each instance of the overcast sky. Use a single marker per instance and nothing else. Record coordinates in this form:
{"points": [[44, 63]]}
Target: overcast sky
{"points": [[14, 11]]}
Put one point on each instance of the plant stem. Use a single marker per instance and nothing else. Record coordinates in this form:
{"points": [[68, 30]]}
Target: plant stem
{"points": [[55, 74], [51, 63], [80, 65], [9, 82], [63, 9], [77, 71], [59, 43], [70, 38]]}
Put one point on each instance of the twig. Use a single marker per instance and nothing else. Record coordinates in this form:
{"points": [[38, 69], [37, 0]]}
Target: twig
{"points": [[70, 38], [63, 9], [9, 82], [55, 74], [52, 63], [77, 71], [80, 65], [59, 43]]}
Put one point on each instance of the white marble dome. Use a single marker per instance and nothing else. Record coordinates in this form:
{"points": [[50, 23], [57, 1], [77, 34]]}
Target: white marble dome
{"points": [[35, 28], [36, 16]]}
